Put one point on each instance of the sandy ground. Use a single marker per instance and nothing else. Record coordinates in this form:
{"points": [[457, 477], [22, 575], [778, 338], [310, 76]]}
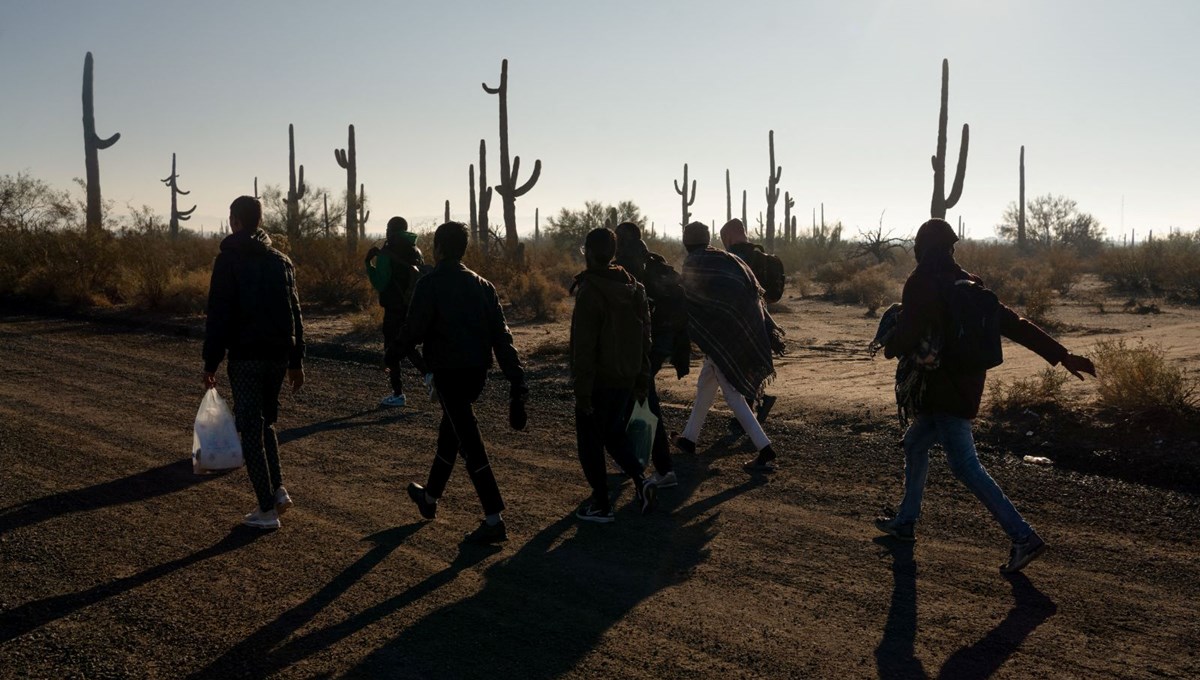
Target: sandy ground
{"points": [[116, 561]]}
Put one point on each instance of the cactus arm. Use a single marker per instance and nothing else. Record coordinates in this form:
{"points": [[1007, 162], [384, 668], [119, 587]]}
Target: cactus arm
{"points": [[533, 178], [301, 187], [490, 90], [960, 172], [186, 214], [105, 143], [340, 156], [677, 189], [693, 198], [181, 192]]}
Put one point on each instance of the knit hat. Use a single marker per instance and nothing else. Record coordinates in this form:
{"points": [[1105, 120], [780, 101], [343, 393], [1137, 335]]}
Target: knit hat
{"points": [[734, 232], [696, 234], [933, 236]]}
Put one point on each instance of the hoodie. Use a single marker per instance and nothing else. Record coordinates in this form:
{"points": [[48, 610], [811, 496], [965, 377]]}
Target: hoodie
{"points": [[610, 333], [253, 306]]}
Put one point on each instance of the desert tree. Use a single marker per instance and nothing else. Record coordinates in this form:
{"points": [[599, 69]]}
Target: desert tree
{"points": [[1051, 221]]}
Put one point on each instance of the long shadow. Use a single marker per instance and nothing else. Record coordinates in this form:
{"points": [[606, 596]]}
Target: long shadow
{"points": [[253, 656], [981, 660], [895, 656], [545, 608], [343, 423], [32, 615], [159, 481]]}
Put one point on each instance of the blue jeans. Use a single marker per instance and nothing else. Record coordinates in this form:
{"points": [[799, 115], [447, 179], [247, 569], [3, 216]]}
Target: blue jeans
{"points": [[954, 434]]}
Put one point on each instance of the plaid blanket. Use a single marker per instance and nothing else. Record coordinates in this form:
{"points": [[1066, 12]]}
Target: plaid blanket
{"points": [[727, 320], [912, 371]]}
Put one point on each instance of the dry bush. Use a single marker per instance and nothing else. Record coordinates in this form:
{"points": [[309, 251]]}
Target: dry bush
{"points": [[367, 322], [992, 262], [69, 267], [534, 294], [186, 292], [1044, 388], [327, 275], [1169, 266], [834, 274], [1062, 269], [1140, 379], [872, 287], [550, 349], [1038, 300]]}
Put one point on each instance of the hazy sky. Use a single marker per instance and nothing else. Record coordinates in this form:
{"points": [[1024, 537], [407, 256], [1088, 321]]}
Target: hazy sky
{"points": [[614, 97]]}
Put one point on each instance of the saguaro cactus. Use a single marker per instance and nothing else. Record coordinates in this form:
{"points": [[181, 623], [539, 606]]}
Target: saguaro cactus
{"points": [[537, 234], [485, 199], [325, 200], [172, 181], [474, 208], [788, 204], [363, 213], [256, 187], [773, 175], [1021, 205], [728, 198], [447, 211], [92, 145], [296, 188], [507, 188], [941, 202], [744, 222], [348, 160], [686, 201]]}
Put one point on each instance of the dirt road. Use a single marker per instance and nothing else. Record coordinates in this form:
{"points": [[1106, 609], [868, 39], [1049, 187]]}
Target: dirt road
{"points": [[115, 561]]}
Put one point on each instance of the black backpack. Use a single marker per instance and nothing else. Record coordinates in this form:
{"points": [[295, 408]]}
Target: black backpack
{"points": [[769, 270], [972, 334]]}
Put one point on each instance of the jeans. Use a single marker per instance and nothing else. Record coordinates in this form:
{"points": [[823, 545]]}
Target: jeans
{"points": [[459, 434], [706, 392], [393, 324], [255, 385], [604, 428], [955, 436]]}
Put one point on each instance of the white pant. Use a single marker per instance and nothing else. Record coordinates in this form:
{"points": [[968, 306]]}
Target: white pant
{"points": [[706, 392]]}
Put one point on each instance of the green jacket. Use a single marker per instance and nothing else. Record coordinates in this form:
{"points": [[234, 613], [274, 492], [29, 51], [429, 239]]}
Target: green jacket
{"points": [[610, 333]]}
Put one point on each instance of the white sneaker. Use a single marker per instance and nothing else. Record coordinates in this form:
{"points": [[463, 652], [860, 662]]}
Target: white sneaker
{"points": [[282, 500], [665, 481], [262, 520], [393, 400]]}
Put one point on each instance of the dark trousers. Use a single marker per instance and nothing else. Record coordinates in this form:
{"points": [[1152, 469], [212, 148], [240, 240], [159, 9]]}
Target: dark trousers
{"points": [[393, 324], [459, 435], [660, 452], [604, 429], [255, 385]]}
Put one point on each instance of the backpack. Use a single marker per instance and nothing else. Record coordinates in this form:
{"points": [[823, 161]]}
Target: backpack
{"points": [[972, 334], [664, 287], [408, 266], [768, 269]]}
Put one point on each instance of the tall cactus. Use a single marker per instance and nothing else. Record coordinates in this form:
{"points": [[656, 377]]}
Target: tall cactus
{"points": [[172, 181], [363, 213], [744, 222], [256, 188], [474, 208], [788, 204], [728, 198], [92, 145], [507, 188], [685, 201], [296, 189], [941, 202], [485, 200], [1021, 208], [773, 175], [325, 200], [348, 160], [447, 211], [537, 234]]}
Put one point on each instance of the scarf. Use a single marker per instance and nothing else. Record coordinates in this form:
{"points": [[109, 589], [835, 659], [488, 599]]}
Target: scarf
{"points": [[912, 371]]}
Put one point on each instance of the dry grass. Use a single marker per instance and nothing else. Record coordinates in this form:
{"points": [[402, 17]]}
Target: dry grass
{"points": [[1139, 379], [1044, 388]]}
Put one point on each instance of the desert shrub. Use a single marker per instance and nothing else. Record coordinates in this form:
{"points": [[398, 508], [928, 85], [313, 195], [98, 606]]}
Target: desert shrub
{"points": [[1038, 300], [872, 287], [1044, 388], [327, 275], [993, 262], [367, 322], [836, 273], [1062, 269], [186, 292], [1139, 379], [70, 267], [1169, 266], [532, 293]]}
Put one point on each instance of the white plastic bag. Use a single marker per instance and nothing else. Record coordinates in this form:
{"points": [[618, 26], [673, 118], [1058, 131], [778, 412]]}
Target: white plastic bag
{"points": [[216, 446], [640, 430]]}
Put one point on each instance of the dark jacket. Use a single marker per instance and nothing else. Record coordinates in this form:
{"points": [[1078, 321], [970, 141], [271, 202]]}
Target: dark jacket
{"points": [[955, 393], [610, 333], [747, 252], [392, 273], [455, 314], [253, 306], [668, 303]]}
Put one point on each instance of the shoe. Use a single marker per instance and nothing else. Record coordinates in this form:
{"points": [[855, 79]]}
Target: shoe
{"points": [[763, 462], [590, 512], [647, 496], [282, 500], [488, 534], [392, 401], [1023, 553], [764, 408], [262, 520], [735, 428], [667, 481], [682, 443], [901, 531], [417, 493]]}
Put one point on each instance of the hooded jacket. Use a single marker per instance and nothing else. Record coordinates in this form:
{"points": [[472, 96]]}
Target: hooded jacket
{"points": [[392, 273], [253, 306], [610, 333]]}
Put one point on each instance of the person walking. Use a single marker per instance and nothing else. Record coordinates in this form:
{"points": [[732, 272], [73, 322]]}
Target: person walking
{"points": [[941, 379], [727, 320], [394, 271], [610, 366], [736, 241], [254, 316], [668, 333], [455, 315]]}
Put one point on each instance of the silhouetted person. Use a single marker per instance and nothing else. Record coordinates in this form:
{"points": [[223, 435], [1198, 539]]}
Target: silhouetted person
{"points": [[254, 315], [727, 320], [940, 385], [456, 315], [610, 366], [394, 271], [668, 332]]}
